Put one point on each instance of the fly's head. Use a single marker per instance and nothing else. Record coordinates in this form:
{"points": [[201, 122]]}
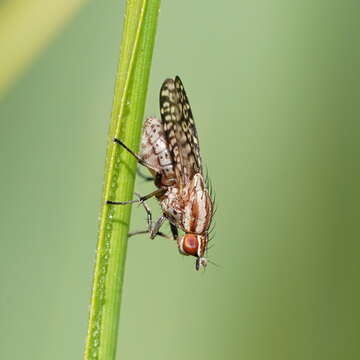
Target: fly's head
{"points": [[194, 245]]}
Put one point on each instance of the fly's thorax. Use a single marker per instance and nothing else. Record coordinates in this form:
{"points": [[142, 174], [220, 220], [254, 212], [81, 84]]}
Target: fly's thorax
{"points": [[198, 209], [154, 150], [190, 208], [194, 245]]}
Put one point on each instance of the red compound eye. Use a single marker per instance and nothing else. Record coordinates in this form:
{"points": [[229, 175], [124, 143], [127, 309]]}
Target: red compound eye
{"points": [[190, 244]]}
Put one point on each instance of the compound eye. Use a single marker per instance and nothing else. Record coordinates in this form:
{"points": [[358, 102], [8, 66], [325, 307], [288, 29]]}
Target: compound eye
{"points": [[190, 244]]}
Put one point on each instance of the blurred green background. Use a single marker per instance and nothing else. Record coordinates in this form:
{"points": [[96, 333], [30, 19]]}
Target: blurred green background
{"points": [[274, 87]]}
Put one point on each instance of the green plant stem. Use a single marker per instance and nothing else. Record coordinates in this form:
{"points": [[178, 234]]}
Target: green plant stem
{"points": [[126, 119]]}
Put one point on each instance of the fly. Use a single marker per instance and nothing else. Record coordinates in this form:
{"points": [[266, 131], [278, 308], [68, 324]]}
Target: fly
{"points": [[170, 151]]}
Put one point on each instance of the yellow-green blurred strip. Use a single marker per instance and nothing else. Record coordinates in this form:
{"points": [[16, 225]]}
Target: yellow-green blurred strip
{"points": [[126, 120], [25, 28]]}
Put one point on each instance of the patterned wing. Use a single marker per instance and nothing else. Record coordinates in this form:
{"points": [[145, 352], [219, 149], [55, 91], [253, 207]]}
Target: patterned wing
{"points": [[180, 130]]}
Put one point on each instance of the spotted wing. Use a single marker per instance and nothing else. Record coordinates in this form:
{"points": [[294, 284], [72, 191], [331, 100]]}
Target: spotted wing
{"points": [[180, 131]]}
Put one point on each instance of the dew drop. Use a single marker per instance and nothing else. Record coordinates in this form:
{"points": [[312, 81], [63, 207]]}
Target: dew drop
{"points": [[94, 354]]}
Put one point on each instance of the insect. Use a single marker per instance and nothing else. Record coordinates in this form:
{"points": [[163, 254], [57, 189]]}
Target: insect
{"points": [[170, 151]]}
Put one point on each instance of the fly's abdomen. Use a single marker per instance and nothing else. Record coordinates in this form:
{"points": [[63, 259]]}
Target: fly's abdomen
{"points": [[154, 150]]}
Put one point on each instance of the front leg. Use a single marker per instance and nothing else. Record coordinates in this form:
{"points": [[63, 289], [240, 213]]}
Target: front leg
{"points": [[174, 231], [153, 230]]}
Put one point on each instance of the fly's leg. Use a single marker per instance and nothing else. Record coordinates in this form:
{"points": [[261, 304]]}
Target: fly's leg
{"points": [[148, 218], [153, 229], [136, 156], [159, 233], [157, 192], [174, 231], [143, 176], [156, 227], [156, 178]]}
